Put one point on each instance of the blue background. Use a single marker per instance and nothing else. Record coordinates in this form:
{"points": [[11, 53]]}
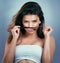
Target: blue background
{"points": [[51, 9]]}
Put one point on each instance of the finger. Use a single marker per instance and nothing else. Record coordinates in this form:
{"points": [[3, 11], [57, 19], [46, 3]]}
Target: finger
{"points": [[45, 26], [50, 30], [18, 26], [17, 30]]}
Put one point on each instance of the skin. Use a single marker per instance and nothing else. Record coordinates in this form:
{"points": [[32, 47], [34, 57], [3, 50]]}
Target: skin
{"points": [[48, 43]]}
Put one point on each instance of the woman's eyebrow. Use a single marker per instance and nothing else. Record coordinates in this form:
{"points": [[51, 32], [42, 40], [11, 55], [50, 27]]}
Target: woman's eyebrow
{"points": [[34, 20], [31, 20]]}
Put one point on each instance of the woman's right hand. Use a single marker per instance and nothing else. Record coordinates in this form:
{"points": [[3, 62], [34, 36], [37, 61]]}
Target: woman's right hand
{"points": [[15, 31]]}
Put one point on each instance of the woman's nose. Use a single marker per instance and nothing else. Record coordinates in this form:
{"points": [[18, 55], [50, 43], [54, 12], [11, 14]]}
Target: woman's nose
{"points": [[30, 25]]}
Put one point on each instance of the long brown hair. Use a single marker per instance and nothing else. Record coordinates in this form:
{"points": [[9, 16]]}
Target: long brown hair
{"points": [[27, 8], [12, 24]]}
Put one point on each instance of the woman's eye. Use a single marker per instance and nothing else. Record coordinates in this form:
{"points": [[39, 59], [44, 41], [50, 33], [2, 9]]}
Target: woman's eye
{"points": [[34, 21], [25, 21]]}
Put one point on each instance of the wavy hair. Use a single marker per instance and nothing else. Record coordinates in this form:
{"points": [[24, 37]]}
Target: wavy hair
{"points": [[28, 8]]}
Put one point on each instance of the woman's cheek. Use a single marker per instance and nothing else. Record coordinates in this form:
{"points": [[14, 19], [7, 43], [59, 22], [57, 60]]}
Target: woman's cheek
{"points": [[36, 25], [26, 25]]}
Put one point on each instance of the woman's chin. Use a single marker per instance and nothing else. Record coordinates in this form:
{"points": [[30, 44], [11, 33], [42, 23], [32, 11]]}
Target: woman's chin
{"points": [[30, 32]]}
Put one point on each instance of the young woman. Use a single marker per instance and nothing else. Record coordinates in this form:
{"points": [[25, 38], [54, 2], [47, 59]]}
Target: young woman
{"points": [[30, 40]]}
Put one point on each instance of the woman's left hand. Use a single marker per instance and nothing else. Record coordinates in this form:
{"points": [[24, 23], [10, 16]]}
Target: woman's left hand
{"points": [[47, 30]]}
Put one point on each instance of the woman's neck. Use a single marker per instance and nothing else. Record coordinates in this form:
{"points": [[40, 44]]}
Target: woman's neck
{"points": [[32, 36]]}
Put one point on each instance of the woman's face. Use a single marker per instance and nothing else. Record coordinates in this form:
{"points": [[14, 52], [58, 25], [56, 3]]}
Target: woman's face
{"points": [[31, 21]]}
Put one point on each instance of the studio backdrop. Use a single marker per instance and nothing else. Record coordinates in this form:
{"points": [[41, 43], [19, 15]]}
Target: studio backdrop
{"points": [[51, 9]]}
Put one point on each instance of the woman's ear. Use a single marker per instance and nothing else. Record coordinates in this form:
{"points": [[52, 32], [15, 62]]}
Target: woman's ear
{"points": [[39, 22]]}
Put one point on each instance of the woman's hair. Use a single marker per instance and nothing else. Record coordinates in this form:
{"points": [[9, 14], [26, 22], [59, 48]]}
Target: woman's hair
{"points": [[32, 8]]}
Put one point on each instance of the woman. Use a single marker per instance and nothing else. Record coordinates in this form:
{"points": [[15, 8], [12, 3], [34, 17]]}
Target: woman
{"points": [[30, 40]]}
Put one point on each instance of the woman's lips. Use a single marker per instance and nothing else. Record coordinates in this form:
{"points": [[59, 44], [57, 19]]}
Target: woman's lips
{"points": [[30, 30]]}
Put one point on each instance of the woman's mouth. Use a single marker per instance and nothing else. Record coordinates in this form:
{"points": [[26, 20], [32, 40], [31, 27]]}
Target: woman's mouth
{"points": [[30, 30]]}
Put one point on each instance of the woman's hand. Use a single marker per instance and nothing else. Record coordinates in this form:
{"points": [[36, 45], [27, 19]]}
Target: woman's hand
{"points": [[15, 31], [47, 30]]}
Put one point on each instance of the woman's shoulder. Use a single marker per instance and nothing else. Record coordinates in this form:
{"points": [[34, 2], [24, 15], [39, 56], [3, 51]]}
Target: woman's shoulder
{"points": [[52, 41], [40, 42]]}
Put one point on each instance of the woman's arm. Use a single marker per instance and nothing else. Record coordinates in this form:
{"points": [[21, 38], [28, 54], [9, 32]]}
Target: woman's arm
{"points": [[10, 48], [9, 52], [49, 46], [49, 49]]}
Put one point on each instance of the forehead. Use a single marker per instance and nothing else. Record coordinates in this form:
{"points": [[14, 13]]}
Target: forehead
{"points": [[30, 17]]}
